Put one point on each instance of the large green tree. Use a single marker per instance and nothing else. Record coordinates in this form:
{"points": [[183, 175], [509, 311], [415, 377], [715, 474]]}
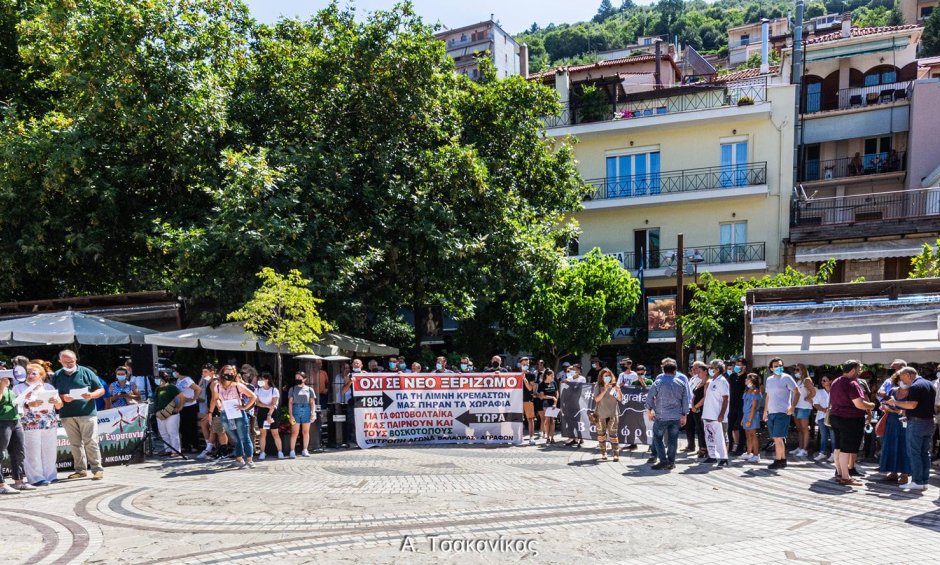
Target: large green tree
{"points": [[931, 37], [575, 311]]}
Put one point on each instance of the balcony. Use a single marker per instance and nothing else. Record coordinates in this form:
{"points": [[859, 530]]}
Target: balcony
{"points": [[849, 167], [684, 182], [858, 97], [678, 100], [868, 215], [714, 255]]}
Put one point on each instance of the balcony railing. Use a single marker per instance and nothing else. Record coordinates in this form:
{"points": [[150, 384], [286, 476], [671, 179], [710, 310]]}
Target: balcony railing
{"points": [[859, 97], [880, 207], [647, 104], [851, 167], [712, 255], [678, 182]]}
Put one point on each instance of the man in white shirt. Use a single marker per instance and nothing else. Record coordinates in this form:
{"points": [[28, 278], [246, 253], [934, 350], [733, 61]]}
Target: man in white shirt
{"points": [[627, 376], [574, 374], [715, 414]]}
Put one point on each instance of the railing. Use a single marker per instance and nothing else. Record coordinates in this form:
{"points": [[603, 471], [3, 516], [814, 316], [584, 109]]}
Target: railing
{"points": [[646, 104], [852, 167], [712, 255], [859, 97], [676, 182], [876, 207], [470, 39]]}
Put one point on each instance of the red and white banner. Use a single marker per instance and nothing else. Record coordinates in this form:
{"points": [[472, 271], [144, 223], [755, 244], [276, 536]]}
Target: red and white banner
{"points": [[428, 408]]}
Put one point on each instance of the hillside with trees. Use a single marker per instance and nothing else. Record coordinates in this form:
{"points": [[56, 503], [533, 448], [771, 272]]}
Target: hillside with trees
{"points": [[697, 23]]}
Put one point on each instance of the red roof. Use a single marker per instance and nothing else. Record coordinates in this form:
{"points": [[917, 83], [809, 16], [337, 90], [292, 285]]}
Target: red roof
{"points": [[603, 64], [745, 74], [858, 32]]}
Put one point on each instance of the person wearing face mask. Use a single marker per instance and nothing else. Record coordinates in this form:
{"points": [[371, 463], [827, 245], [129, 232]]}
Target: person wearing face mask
{"points": [[715, 415], [918, 408], [889, 383], [123, 391], [528, 388], [628, 377], [573, 374], [496, 365], [893, 461], [694, 426], [440, 365], [804, 408], [12, 440], [78, 415], [750, 421], [848, 409], [417, 368], [233, 400], [466, 366], [607, 399], [189, 414], [548, 393], [349, 428], [300, 402], [737, 375], [782, 396], [167, 402], [393, 365], [594, 371], [39, 420], [266, 415], [821, 404]]}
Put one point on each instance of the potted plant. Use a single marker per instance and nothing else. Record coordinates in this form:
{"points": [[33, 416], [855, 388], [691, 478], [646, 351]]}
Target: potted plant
{"points": [[745, 101]]}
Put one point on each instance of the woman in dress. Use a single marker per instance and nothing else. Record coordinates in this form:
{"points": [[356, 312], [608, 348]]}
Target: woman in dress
{"points": [[893, 461], [548, 394], [39, 420], [751, 417], [266, 415], [607, 399]]}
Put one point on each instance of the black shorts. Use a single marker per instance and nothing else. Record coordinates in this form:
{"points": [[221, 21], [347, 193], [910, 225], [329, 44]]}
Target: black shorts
{"points": [[848, 433], [261, 414]]}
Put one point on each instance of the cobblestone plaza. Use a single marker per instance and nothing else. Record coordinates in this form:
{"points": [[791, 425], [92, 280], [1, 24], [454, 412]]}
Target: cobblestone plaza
{"points": [[444, 504]]}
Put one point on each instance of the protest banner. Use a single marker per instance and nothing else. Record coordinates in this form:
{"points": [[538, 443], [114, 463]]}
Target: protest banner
{"points": [[120, 433], [433, 408], [577, 401]]}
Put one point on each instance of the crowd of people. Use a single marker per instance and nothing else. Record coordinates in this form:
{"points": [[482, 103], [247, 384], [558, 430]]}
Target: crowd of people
{"points": [[237, 412]]}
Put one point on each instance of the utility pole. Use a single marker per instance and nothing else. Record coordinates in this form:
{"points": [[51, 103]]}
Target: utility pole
{"points": [[680, 358]]}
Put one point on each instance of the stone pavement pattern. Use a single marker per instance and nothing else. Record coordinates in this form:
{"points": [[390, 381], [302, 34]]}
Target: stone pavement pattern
{"points": [[358, 507]]}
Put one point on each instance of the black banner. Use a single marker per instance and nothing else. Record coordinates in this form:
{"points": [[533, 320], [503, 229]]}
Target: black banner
{"points": [[577, 401]]}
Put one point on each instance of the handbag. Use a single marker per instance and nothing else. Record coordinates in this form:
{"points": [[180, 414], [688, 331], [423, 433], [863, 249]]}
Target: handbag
{"points": [[167, 411], [881, 426]]}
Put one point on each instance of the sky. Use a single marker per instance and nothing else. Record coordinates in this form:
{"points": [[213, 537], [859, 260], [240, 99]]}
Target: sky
{"points": [[513, 15]]}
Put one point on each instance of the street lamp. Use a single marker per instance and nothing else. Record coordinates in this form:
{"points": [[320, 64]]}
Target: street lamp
{"points": [[695, 257]]}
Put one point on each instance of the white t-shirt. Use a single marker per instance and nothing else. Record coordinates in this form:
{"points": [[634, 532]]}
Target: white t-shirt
{"points": [[627, 378], [802, 403], [822, 399], [576, 379], [714, 397], [268, 396], [189, 394]]}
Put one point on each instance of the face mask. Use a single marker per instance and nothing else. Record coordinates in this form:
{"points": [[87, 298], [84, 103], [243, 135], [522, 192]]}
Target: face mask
{"points": [[797, 373], [357, 370], [778, 371], [904, 386], [571, 374], [594, 365], [299, 381], [524, 367], [229, 378], [70, 371], [262, 383], [711, 372], [623, 368], [737, 369], [158, 382], [438, 366], [607, 380], [495, 363], [750, 385], [463, 366], [122, 378]]}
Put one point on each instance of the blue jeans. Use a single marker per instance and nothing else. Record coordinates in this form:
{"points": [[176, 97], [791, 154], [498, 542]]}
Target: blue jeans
{"points": [[827, 440], [238, 429], [919, 438], [666, 454]]}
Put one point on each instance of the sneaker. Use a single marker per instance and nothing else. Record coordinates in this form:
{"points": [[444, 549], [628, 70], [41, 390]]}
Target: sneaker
{"points": [[98, 476], [670, 466], [77, 475], [24, 486], [777, 464], [251, 464], [659, 466], [651, 460], [261, 456], [41, 484], [744, 456], [280, 455], [710, 460], [571, 443], [305, 453], [7, 489], [832, 458], [754, 459], [293, 455], [911, 485], [202, 455], [722, 463], [531, 441], [820, 457], [240, 464]]}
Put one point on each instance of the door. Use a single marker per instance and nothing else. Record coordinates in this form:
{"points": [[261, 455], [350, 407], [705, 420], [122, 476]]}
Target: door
{"points": [[813, 97], [811, 163], [733, 237], [646, 248], [733, 164], [633, 175]]}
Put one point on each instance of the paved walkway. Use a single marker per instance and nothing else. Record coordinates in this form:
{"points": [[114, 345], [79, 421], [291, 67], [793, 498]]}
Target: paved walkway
{"points": [[561, 503]]}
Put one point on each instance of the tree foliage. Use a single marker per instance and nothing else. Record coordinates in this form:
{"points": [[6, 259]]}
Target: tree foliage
{"points": [[927, 264], [930, 40], [715, 321], [575, 311]]}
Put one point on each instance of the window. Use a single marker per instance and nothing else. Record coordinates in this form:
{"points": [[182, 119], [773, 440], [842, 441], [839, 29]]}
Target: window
{"points": [[813, 97], [897, 268], [646, 248], [811, 163], [925, 12], [745, 39], [733, 164], [647, 41], [877, 150], [881, 76], [733, 237], [633, 175]]}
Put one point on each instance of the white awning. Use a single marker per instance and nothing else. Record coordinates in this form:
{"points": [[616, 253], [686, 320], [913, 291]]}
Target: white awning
{"points": [[863, 250]]}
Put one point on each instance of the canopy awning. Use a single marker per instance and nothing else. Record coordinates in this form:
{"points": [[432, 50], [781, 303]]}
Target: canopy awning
{"points": [[909, 247], [875, 330], [234, 337], [69, 327]]}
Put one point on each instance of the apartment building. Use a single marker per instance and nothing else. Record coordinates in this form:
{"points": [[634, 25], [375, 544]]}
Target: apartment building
{"points": [[917, 11], [711, 160], [745, 40], [867, 153], [466, 43]]}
